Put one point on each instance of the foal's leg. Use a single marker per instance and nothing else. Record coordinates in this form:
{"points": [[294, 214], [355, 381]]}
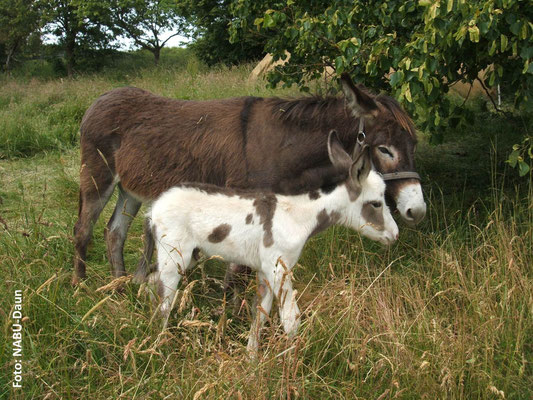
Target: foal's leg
{"points": [[95, 191], [143, 268], [117, 228], [275, 281], [263, 305], [288, 308], [235, 282], [172, 263]]}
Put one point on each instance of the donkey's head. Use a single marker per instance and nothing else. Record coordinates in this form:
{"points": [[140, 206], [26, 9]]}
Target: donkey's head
{"points": [[366, 211], [391, 136]]}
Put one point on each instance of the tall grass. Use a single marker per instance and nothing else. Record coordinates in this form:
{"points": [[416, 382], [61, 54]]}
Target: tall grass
{"points": [[445, 313]]}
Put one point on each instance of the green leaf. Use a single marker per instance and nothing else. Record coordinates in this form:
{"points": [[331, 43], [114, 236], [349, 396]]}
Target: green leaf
{"points": [[503, 40], [474, 33], [523, 168], [449, 6], [493, 47], [268, 21], [526, 52], [339, 65], [513, 158], [396, 78], [408, 94]]}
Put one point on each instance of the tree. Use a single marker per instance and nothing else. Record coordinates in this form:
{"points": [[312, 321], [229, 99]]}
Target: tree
{"points": [[66, 20], [18, 20], [211, 20], [150, 24], [415, 49]]}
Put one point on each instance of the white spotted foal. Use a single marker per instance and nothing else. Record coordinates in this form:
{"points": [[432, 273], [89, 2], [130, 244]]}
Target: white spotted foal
{"points": [[263, 230]]}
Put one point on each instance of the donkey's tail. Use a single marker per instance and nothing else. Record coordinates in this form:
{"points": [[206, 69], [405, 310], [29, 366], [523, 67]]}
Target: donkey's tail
{"points": [[144, 267], [80, 203]]}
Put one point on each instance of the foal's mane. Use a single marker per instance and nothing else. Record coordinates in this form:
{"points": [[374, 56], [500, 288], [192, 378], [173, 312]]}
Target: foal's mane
{"points": [[318, 109]]}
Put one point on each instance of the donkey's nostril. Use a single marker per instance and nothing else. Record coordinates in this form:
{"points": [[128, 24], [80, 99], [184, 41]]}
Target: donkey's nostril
{"points": [[416, 214]]}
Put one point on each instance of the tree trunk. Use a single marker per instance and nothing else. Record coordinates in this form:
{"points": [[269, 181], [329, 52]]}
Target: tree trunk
{"points": [[156, 51], [70, 47], [10, 54]]}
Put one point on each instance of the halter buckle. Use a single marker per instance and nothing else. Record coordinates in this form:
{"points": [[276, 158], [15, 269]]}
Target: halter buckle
{"points": [[361, 136]]}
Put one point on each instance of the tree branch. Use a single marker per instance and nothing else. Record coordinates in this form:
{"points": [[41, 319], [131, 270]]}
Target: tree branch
{"points": [[487, 92], [167, 39]]}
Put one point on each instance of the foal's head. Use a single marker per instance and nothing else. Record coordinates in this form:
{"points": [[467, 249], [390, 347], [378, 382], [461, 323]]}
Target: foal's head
{"points": [[392, 137], [366, 211]]}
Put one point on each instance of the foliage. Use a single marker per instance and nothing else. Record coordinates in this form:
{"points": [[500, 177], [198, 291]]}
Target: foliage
{"points": [[18, 20], [413, 49], [522, 156], [75, 30], [211, 19]]}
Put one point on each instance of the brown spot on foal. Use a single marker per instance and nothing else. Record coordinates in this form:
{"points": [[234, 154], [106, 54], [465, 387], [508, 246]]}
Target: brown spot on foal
{"points": [[220, 233], [373, 216], [249, 219], [325, 220], [265, 207], [314, 194]]}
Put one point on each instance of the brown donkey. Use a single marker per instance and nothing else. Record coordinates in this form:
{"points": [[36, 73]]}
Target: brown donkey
{"points": [[145, 144]]}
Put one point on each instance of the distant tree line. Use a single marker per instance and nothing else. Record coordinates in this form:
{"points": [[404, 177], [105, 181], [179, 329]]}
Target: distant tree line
{"points": [[85, 29]]}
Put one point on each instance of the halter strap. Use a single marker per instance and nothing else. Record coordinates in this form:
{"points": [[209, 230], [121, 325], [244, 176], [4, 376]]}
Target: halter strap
{"points": [[360, 140], [401, 175]]}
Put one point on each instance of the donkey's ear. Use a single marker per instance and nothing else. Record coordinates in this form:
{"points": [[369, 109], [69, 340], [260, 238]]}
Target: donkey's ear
{"points": [[361, 167], [359, 102], [338, 156]]}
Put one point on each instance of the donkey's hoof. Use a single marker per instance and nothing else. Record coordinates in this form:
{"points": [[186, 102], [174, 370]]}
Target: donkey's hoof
{"points": [[139, 278], [76, 279]]}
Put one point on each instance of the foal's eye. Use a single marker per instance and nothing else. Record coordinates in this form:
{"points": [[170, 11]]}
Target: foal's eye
{"points": [[376, 204], [386, 151]]}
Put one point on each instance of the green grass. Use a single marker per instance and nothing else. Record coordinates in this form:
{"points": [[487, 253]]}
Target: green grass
{"points": [[445, 313]]}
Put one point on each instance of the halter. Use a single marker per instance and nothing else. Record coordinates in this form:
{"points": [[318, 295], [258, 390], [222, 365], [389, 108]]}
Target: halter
{"points": [[392, 176]]}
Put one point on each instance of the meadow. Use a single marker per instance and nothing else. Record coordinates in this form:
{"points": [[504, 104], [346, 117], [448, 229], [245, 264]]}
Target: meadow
{"points": [[445, 313]]}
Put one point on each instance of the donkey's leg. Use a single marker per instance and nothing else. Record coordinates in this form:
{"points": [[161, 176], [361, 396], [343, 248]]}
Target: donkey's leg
{"points": [[117, 228], [94, 194], [262, 311], [143, 268], [235, 282]]}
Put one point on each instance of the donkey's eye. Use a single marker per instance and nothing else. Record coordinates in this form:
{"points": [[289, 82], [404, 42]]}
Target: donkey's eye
{"points": [[386, 151], [377, 204]]}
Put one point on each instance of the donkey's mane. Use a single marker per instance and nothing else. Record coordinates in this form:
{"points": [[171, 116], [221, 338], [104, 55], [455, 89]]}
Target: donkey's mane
{"points": [[399, 114], [305, 109], [318, 109]]}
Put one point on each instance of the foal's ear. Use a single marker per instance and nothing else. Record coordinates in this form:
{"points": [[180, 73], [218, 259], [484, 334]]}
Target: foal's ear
{"points": [[359, 102], [361, 167], [338, 156]]}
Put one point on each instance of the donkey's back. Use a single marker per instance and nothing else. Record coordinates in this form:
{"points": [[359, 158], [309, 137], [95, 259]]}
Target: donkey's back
{"points": [[150, 143]]}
